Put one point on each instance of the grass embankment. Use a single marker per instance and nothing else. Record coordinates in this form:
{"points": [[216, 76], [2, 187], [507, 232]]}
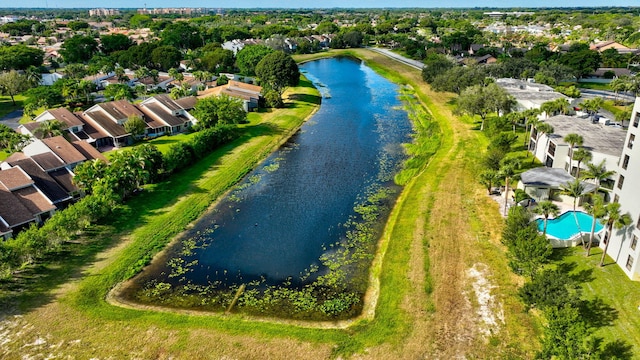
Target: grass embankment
{"points": [[442, 226]]}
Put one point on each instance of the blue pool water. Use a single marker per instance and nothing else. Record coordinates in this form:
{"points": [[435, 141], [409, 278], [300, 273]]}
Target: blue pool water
{"points": [[564, 227]]}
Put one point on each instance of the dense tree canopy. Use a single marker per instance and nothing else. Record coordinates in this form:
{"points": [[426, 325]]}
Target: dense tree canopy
{"points": [[250, 56], [166, 57], [19, 57], [78, 49], [114, 42], [182, 35], [218, 110], [277, 71], [217, 61]]}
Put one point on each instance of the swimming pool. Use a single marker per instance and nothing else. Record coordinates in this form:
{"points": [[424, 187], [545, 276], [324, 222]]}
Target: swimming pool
{"points": [[564, 226]]}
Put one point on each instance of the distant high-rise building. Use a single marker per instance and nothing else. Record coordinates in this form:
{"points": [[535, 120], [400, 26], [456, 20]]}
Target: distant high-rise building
{"points": [[103, 12]]}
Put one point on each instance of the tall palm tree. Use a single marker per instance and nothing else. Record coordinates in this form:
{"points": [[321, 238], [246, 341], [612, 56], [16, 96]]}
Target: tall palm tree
{"points": [[597, 173], [573, 140], [575, 189], [546, 208], [508, 172], [581, 155], [530, 120], [597, 210], [488, 178], [543, 128], [613, 219], [562, 105]]}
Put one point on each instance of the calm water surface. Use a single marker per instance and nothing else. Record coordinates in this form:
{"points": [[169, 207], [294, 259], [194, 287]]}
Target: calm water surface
{"points": [[286, 213]]}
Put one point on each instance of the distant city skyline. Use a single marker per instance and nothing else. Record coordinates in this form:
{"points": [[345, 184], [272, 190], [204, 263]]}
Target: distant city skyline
{"points": [[300, 4]]}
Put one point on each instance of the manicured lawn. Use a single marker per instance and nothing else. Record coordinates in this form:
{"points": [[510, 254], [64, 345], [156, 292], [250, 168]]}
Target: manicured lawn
{"points": [[609, 286], [3, 155]]}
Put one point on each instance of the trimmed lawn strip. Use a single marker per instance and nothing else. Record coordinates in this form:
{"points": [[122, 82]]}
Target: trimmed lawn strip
{"points": [[6, 106]]}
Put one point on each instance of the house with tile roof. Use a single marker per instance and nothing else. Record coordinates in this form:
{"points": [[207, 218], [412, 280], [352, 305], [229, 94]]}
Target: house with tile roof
{"points": [[21, 202], [164, 115], [249, 94], [106, 121]]}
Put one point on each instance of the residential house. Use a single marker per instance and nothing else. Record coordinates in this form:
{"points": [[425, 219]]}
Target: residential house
{"points": [[544, 183], [108, 119], [623, 246], [48, 79], [21, 201], [71, 122], [248, 93], [164, 115]]}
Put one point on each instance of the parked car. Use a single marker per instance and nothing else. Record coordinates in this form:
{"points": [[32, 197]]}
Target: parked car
{"points": [[528, 203]]}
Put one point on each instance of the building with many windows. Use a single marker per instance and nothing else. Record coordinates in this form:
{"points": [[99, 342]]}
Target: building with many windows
{"points": [[623, 247]]}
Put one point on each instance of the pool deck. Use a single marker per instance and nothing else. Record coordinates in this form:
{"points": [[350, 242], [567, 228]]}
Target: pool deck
{"points": [[500, 200]]}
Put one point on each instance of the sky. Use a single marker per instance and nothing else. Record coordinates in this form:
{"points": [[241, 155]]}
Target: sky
{"points": [[296, 4]]}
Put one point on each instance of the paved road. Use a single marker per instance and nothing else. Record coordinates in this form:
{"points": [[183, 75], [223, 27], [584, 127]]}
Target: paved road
{"points": [[12, 119], [589, 93], [413, 63]]}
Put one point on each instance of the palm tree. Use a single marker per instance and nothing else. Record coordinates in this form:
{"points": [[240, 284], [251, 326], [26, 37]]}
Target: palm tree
{"points": [[581, 155], [530, 123], [546, 208], [542, 128], [562, 105], [613, 219], [592, 105], [575, 189], [597, 210], [573, 140], [508, 172], [619, 84], [597, 173], [548, 108], [50, 128]]}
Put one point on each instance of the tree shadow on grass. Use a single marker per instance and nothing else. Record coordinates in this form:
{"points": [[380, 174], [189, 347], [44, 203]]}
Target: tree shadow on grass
{"points": [[597, 313], [306, 98], [617, 349]]}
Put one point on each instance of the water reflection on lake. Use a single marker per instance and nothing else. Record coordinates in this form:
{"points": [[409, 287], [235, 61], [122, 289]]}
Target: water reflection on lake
{"points": [[287, 213]]}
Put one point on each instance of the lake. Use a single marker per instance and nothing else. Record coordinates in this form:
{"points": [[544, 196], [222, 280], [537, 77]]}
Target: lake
{"points": [[300, 204]]}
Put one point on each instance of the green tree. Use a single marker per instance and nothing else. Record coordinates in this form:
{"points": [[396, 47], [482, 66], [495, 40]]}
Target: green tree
{"points": [[248, 58], [434, 65], [182, 35], [581, 155], [140, 21], [12, 83], [613, 219], [11, 140], [546, 208], [574, 189], [566, 335], [529, 252], [597, 173], [508, 172], [114, 42], [88, 173], [353, 39], [278, 70], [50, 128], [118, 92], [482, 100], [135, 126], [597, 210], [552, 288], [592, 105], [19, 57], [489, 178], [217, 110], [583, 62], [217, 61], [166, 57], [78, 49], [573, 140]]}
